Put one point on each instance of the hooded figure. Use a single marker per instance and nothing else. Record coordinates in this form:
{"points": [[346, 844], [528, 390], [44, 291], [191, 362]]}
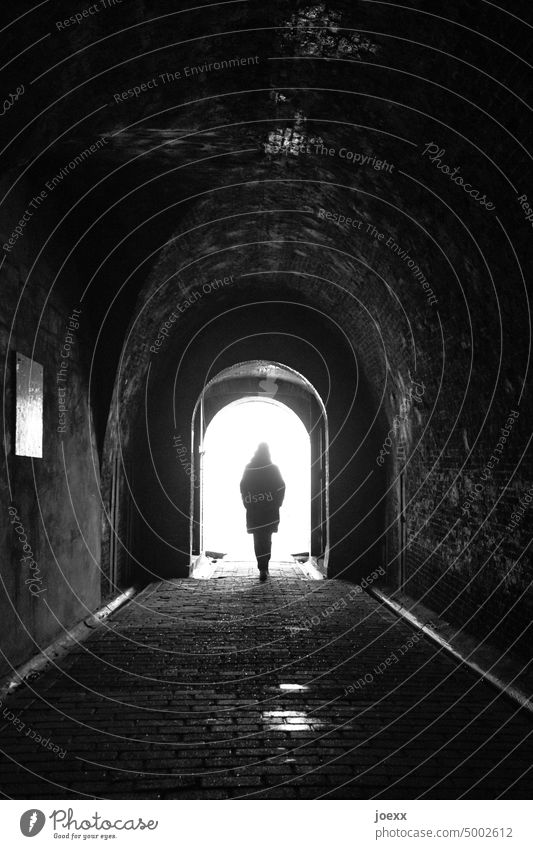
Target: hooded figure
{"points": [[262, 493]]}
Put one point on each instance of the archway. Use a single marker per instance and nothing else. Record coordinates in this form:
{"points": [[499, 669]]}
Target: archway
{"points": [[229, 442], [239, 402], [203, 370]]}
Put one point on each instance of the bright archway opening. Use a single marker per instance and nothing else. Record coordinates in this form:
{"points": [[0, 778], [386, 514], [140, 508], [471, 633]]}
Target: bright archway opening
{"points": [[229, 443]]}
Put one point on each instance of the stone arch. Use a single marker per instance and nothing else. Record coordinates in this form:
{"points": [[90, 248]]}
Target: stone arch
{"points": [[175, 382], [297, 394]]}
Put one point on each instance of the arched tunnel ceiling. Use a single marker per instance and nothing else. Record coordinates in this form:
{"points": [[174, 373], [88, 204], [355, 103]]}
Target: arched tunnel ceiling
{"points": [[305, 150]]}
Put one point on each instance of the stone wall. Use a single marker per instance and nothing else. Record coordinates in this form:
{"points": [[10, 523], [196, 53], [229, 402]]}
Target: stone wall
{"points": [[54, 500]]}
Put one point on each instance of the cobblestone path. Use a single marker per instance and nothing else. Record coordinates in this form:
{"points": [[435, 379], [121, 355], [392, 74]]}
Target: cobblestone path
{"points": [[228, 688]]}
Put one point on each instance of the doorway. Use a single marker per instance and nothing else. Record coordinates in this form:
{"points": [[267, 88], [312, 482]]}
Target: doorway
{"points": [[229, 443], [250, 402]]}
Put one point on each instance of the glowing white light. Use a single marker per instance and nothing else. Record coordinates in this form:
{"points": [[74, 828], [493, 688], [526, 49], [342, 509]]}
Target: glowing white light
{"points": [[229, 444]]}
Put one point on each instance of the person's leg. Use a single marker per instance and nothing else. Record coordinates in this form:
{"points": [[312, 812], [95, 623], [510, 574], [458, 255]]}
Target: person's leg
{"points": [[262, 548], [268, 547]]}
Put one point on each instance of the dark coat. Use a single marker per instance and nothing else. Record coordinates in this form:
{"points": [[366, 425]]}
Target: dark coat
{"points": [[262, 493]]}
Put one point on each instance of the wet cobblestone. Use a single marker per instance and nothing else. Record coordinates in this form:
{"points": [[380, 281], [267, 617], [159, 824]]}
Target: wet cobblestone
{"points": [[215, 689]]}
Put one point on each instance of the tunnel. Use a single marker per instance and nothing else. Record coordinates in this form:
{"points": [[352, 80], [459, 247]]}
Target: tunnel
{"points": [[318, 207]]}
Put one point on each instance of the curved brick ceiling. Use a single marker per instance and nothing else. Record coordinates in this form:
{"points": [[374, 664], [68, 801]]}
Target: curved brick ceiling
{"points": [[289, 142]]}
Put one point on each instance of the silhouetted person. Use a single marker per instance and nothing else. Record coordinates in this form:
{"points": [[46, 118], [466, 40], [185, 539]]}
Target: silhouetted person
{"points": [[262, 492]]}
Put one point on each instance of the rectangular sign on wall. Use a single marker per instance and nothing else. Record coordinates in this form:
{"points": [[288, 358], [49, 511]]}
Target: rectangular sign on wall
{"points": [[29, 416]]}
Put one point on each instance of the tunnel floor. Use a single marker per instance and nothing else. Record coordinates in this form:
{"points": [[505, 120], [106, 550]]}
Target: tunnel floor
{"points": [[227, 568], [229, 688]]}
